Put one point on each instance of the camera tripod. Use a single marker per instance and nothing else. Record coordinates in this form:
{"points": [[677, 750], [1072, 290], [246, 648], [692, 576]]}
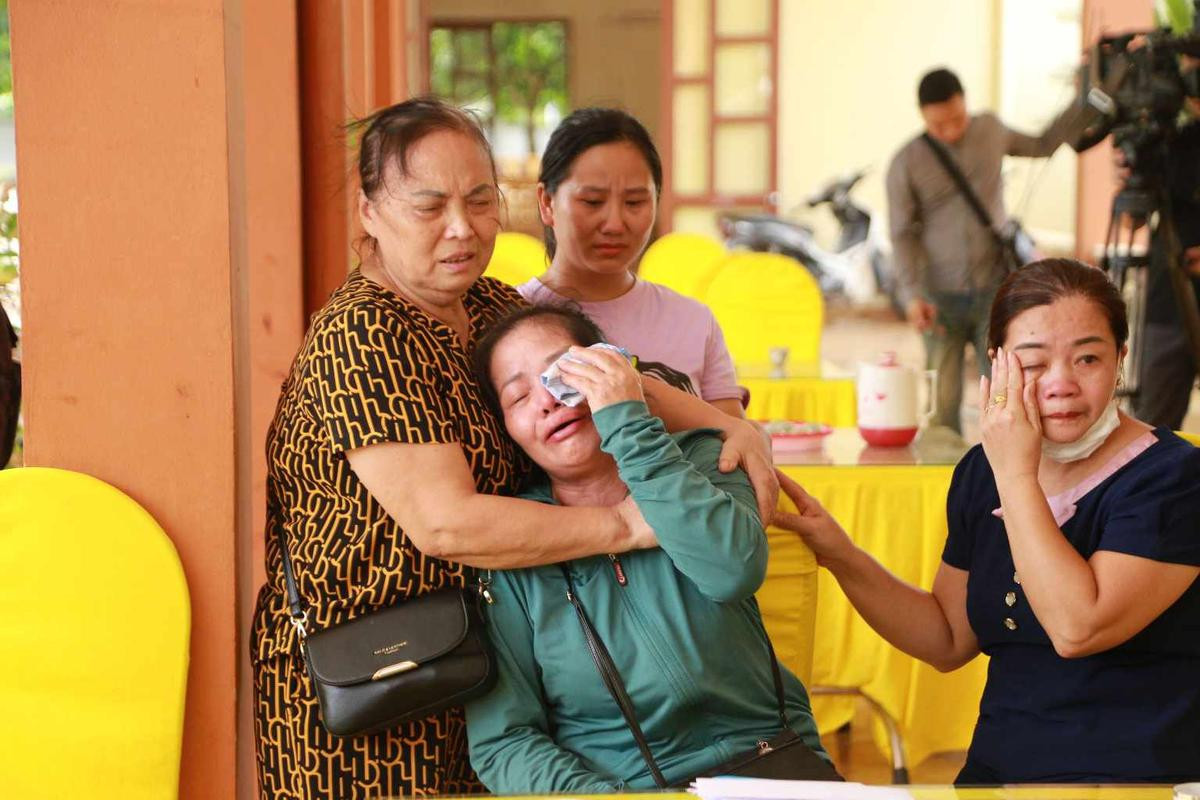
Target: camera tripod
{"points": [[1146, 205]]}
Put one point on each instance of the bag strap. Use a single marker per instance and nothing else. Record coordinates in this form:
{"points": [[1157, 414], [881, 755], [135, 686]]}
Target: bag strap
{"points": [[612, 679], [296, 612], [960, 181], [616, 687]]}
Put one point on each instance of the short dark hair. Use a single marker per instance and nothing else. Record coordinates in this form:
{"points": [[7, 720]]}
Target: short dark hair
{"points": [[581, 131], [578, 326], [1044, 282], [390, 133], [938, 86]]}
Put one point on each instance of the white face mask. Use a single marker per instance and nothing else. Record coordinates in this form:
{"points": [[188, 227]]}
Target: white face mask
{"points": [[1084, 446]]}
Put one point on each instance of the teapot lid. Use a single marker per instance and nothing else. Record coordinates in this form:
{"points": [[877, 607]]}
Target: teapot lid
{"points": [[888, 358]]}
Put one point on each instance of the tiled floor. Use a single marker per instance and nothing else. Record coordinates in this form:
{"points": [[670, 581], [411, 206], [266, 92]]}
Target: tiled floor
{"points": [[858, 759]]}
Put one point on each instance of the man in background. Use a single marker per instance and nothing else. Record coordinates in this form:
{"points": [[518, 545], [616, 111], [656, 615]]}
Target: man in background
{"points": [[948, 265], [1167, 371]]}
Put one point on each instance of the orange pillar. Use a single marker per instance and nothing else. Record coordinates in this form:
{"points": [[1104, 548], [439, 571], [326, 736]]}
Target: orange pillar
{"points": [[352, 62], [158, 161], [325, 156], [1096, 175], [265, 178]]}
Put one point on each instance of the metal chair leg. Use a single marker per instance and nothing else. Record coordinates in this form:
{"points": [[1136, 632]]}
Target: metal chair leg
{"points": [[895, 741]]}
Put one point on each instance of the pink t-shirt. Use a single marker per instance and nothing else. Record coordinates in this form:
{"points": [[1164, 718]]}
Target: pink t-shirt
{"points": [[655, 323]]}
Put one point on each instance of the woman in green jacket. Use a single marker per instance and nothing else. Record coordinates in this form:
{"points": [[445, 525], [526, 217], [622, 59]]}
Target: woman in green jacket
{"points": [[680, 621]]}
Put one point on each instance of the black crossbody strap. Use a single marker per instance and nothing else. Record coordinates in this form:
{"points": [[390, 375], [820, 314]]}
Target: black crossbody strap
{"points": [[964, 187], [296, 610], [776, 676], [616, 687], [612, 679]]}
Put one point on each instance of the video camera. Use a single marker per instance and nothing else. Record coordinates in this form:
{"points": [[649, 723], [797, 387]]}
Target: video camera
{"points": [[1136, 82], [1135, 86]]}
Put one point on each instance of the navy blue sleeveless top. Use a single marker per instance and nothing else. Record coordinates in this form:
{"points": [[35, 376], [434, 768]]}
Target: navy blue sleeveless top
{"points": [[1129, 714]]}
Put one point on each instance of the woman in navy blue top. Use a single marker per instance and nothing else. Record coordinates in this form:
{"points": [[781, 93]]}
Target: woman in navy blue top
{"points": [[1072, 557]]}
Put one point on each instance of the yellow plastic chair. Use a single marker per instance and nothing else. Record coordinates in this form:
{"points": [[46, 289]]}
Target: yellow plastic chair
{"points": [[684, 262], [765, 300], [1194, 438], [517, 258], [94, 628], [787, 600]]}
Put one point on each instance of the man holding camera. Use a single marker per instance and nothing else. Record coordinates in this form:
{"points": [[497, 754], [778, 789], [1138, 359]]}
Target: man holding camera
{"points": [[948, 263], [1168, 367]]}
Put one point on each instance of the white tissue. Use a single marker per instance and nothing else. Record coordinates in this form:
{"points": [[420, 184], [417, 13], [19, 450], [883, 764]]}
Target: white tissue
{"points": [[552, 377]]}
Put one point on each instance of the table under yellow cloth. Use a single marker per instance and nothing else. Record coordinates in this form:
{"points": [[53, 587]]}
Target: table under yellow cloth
{"points": [[807, 398], [898, 514], [812, 392]]}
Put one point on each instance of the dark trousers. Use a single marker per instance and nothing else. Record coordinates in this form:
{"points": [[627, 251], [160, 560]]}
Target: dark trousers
{"points": [[961, 317], [1166, 375]]}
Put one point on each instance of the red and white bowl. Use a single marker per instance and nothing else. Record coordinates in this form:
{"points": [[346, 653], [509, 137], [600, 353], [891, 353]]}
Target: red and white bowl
{"points": [[793, 435]]}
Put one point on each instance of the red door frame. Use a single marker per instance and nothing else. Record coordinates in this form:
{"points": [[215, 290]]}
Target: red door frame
{"points": [[670, 81]]}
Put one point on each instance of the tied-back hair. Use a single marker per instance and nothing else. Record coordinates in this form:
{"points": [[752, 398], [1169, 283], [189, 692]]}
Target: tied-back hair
{"points": [[579, 132], [1043, 282], [578, 326], [387, 135]]}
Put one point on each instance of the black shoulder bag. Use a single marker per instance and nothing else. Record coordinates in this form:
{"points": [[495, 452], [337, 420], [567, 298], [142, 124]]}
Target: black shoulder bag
{"points": [[396, 664], [784, 756], [1017, 247]]}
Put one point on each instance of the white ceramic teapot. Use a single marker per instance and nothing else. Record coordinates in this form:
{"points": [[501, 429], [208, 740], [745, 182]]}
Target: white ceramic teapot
{"points": [[887, 401]]}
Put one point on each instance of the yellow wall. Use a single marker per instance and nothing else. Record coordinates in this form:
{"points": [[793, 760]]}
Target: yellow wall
{"points": [[1038, 56], [848, 77]]}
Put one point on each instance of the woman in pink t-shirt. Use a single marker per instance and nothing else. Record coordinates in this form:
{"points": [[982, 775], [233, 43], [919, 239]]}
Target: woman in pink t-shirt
{"points": [[598, 196]]}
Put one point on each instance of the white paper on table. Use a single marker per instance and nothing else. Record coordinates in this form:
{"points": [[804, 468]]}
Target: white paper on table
{"points": [[763, 789]]}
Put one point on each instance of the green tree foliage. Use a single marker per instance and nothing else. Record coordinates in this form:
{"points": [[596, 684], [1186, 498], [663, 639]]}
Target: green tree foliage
{"points": [[509, 71], [5, 62], [1174, 14], [460, 65], [531, 66]]}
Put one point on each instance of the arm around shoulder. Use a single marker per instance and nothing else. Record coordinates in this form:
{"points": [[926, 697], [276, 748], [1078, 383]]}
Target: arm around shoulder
{"points": [[430, 493]]}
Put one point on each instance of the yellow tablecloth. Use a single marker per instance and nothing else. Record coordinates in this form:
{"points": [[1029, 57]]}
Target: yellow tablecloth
{"points": [[898, 514], [788, 602], [809, 398]]}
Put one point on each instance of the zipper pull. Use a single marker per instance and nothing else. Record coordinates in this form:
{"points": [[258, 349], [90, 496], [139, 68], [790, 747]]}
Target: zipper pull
{"points": [[618, 569]]}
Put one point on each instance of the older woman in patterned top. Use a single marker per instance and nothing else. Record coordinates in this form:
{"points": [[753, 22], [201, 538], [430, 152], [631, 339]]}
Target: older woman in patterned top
{"points": [[385, 470]]}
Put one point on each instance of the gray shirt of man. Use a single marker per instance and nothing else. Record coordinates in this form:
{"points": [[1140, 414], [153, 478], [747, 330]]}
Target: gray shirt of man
{"points": [[938, 243]]}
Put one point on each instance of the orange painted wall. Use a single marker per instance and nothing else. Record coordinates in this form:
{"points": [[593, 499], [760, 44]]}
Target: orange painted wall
{"points": [[158, 155], [1097, 180]]}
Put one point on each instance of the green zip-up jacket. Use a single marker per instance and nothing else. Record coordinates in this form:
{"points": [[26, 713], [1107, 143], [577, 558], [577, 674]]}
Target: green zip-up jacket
{"points": [[683, 630]]}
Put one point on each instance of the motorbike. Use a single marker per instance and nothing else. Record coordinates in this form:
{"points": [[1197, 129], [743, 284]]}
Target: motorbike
{"points": [[859, 267]]}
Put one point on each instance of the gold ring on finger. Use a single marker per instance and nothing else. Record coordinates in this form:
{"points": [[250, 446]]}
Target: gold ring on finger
{"points": [[999, 399]]}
